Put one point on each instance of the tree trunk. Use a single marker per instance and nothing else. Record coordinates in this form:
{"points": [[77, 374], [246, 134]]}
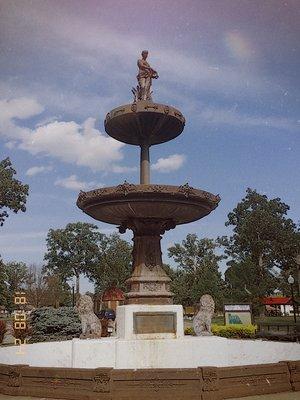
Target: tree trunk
{"points": [[77, 285]]}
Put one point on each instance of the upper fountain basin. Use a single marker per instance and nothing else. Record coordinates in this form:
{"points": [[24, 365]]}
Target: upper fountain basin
{"points": [[115, 205], [144, 123]]}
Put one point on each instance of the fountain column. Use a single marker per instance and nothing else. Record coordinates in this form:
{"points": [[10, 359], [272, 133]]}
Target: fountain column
{"points": [[145, 165]]}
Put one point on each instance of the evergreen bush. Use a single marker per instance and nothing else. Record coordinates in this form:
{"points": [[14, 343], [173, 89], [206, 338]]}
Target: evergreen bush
{"points": [[49, 324]]}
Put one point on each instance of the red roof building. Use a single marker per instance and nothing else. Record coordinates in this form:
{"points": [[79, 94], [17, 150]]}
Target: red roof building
{"points": [[111, 298], [113, 294], [276, 301]]}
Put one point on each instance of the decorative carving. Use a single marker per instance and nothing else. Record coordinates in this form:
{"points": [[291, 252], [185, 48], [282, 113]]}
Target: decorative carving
{"points": [[157, 188], [101, 383], [133, 106], [151, 106], [82, 196], [14, 378], [186, 189], [91, 325], [202, 321], [55, 382], [152, 286], [210, 379], [150, 258], [166, 110], [125, 188], [119, 111]]}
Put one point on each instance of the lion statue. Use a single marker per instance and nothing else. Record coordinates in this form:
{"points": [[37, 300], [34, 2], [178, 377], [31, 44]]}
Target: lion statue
{"points": [[91, 325], [202, 321]]}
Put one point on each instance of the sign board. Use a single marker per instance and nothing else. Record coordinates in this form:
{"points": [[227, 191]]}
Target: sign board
{"points": [[238, 314]]}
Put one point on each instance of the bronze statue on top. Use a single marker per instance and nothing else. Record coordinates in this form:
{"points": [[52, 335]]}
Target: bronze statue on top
{"points": [[144, 77]]}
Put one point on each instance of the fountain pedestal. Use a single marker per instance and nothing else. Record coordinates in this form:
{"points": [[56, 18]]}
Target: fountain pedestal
{"points": [[137, 321]]}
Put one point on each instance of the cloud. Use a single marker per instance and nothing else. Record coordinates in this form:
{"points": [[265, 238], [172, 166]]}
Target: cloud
{"points": [[73, 183], [222, 116], [70, 142], [85, 50], [169, 164], [120, 169], [38, 170]]}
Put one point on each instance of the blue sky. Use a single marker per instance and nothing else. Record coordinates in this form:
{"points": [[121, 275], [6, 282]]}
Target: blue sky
{"points": [[231, 67]]}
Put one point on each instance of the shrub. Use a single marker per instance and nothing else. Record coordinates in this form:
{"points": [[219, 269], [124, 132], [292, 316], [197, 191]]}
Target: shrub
{"points": [[234, 331], [229, 331], [189, 331], [2, 329], [49, 324]]}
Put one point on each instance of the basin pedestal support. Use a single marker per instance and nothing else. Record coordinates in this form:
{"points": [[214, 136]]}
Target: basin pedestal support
{"points": [[149, 283]]}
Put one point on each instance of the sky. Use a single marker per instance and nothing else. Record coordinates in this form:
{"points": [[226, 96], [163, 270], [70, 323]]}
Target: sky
{"points": [[231, 67]]}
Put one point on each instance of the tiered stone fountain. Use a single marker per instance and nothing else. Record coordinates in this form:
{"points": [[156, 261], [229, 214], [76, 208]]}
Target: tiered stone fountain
{"points": [[148, 210]]}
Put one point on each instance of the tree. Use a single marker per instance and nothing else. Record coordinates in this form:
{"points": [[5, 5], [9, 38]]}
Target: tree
{"points": [[197, 270], [57, 292], [73, 250], [114, 264], [3, 288], [15, 274], [13, 193], [264, 241], [35, 286], [262, 231]]}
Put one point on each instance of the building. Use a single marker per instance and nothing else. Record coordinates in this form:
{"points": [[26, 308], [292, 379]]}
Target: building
{"points": [[278, 305], [111, 298]]}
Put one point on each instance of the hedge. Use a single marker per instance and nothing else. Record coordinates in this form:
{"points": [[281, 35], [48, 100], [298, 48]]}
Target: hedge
{"points": [[229, 331]]}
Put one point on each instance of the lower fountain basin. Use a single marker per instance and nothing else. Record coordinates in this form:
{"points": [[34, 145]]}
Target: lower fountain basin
{"points": [[115, 205]]}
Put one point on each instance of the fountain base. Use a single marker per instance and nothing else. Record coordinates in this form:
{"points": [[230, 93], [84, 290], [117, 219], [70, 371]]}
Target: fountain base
{"points": [[150, 322]]}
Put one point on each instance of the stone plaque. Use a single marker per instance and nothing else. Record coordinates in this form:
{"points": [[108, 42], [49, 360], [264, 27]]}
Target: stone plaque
{"points": [[154, 322]]}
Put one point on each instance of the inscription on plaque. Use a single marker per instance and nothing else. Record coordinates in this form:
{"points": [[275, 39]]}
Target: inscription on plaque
{"points": [[154, 322]]}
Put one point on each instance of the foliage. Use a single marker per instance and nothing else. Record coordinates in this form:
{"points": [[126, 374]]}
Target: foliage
{"points": [[13, 193], [264, 241], [229, 331], [189, 331], [46, 289], [3, 287], [15, 274], [114, 264], [2, 329], [73, 250], [197, 271], [262, 232], [50, 324], [246, 285], [234, 331]]}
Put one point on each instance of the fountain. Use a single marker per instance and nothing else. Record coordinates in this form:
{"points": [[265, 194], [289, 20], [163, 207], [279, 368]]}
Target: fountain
{"points": [[147, 209]]}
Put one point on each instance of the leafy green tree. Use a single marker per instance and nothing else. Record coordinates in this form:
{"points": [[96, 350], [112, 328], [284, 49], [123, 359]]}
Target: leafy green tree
{"points": [[73, 250], [197, 270], [13, 193], [15, 274], [114, 264], [264, 241], [263, 232]]}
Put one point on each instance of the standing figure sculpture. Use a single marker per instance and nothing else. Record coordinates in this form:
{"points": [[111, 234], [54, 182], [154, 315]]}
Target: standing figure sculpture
{"points": [[144, 77], [202, 321]]}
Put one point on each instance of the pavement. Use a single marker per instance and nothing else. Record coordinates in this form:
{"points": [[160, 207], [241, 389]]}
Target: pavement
{"points": [[278, 396]]}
